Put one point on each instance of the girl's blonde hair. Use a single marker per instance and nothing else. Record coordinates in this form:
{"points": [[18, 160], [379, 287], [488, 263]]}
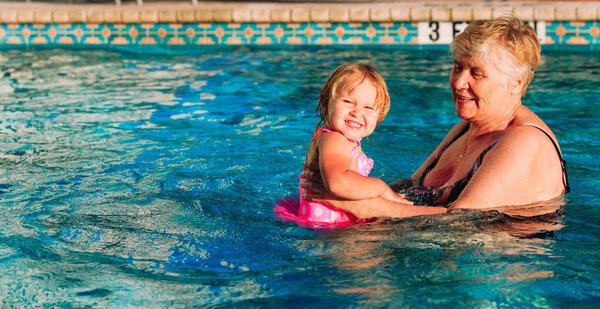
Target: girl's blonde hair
{"points": [[506, 35], [348, 76]]}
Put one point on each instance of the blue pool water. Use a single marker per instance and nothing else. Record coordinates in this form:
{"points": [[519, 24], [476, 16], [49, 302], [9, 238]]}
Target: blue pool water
{"points": [[150, 181]]}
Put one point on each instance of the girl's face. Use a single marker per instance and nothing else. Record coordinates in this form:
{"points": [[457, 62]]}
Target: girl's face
{"points": [[354, 114]]}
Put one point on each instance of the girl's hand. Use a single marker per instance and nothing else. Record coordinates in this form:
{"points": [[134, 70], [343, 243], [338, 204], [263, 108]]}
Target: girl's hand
{"points": [[392, 196]]}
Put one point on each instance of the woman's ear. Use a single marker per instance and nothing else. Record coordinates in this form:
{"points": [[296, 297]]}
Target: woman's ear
{"points": [[516, 86]]}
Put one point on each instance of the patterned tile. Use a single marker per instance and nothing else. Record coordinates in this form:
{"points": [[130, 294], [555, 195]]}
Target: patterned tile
{"points": [[197, 34], [573, 33]]}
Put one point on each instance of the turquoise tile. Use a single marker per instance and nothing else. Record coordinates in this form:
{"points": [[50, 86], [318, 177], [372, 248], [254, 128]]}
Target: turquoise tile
{"points": [[197, 34]]}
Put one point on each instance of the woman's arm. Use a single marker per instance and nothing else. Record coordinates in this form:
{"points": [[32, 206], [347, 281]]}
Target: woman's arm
{"points": [[376, 207], [338, 178], [523, 168]]}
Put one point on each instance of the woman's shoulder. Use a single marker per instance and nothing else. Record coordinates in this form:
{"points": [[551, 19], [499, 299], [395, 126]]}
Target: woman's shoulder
{"points": [[528, 126], [526, 118], [532, 140], [527, 135]]}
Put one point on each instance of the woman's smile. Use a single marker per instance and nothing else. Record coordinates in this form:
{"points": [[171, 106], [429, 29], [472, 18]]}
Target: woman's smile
{"points": [[464, 99]]}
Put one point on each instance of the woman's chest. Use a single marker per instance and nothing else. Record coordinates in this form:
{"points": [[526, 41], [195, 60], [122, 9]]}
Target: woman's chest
{"points": [[442, 175], [453, 165]]}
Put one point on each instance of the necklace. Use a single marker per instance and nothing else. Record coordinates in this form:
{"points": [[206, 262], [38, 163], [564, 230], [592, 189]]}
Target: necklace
{"points": [[464, 149]]}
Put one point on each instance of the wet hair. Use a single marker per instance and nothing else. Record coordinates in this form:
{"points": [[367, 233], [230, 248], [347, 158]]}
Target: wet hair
{"points": [[347, 77], [507, 42]]}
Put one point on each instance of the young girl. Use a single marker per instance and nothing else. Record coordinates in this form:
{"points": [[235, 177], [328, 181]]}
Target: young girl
{"points": [[352, 103]]}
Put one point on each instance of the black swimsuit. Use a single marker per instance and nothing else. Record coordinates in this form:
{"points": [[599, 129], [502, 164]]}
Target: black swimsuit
{"points": [[427, 196]]}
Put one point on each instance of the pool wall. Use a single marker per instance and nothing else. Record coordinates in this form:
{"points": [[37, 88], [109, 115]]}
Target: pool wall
{"points": [[183, 26]]}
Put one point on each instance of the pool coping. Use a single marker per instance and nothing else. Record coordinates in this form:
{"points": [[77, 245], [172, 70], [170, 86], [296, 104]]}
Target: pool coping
{"points": [[265, 12]]}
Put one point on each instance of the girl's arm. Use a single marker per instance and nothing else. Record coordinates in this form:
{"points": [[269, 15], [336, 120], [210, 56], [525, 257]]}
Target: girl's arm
{"points": [[366, 208], [338, 178]]}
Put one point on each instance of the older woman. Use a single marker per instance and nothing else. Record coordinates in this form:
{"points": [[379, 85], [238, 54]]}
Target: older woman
{"points": [[501, 153]]}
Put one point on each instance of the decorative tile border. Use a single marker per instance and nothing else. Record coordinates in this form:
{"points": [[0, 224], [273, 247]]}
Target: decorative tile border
{"points": [[209, 34], [29, 35], [561, 24], [573, 33]]}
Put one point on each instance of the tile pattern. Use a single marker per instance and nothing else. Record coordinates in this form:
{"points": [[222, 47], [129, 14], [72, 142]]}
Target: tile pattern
{"points": [[573, 33], [558, 33]]}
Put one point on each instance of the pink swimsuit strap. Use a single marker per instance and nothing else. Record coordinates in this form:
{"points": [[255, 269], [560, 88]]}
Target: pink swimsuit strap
{"points": [[354, 151]]}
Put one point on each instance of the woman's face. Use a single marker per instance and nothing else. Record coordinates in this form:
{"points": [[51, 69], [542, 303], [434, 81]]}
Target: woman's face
{"points": [[481, 92]]}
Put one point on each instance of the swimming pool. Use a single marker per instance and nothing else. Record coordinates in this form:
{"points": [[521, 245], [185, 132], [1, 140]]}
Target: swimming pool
{"points": [[150, 181]]}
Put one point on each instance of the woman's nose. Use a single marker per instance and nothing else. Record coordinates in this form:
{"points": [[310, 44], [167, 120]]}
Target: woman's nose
{"points": [[460, 80]]}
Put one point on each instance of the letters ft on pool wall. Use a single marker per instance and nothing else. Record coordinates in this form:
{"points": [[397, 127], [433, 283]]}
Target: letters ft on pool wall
{"points": [[584, 34]]}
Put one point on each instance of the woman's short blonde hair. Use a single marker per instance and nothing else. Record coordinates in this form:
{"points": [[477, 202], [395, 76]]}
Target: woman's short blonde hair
{"points": [[489, 39]]}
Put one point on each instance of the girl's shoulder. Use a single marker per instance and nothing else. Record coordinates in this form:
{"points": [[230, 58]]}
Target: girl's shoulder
{"points": [[334, 139], [330, 135]]}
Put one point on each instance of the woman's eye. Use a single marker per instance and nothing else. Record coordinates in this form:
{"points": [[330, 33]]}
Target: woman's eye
{"points": [[477, 74]]}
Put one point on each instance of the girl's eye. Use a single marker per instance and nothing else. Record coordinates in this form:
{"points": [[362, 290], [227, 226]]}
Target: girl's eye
{"points": [[347, 101], [370, 108]]}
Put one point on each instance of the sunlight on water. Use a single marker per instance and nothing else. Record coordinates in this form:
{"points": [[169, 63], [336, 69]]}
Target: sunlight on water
{"points": [[150, 181]]}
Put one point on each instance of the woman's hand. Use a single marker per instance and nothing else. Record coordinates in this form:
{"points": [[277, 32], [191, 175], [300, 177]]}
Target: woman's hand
{"points": [[311, 178]]}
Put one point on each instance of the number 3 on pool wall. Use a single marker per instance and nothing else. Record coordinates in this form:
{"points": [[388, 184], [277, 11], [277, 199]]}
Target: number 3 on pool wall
{"points": [[435, 32]]}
